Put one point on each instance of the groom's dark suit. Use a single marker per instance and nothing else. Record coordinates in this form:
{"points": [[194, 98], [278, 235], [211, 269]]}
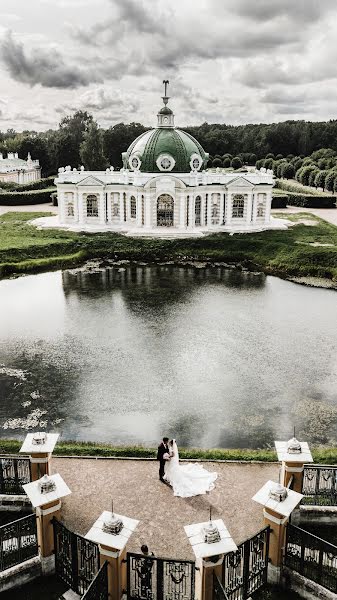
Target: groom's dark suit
{"points": [[162, 449]]}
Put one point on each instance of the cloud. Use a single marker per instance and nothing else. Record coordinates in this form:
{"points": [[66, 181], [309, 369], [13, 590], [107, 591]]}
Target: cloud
{"points": [[266, 10], [44, 67]]}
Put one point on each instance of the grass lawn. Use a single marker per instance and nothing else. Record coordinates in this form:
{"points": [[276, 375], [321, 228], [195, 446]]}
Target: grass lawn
{"points": [[23, 248]]}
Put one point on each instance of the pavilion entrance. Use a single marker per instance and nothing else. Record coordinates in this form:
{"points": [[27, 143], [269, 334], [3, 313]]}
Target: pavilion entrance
{"points": [[165, 211]]}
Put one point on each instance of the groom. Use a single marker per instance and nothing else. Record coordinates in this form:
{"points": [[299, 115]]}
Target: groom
{"points": [[162, 450]]}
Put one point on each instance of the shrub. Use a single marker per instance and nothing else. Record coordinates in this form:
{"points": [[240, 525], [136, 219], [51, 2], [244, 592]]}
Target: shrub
{"points": [[287, 171], [330, 180], [25, 198], [297, 162], [216, 162], [309, 201], [270, 155], [279, 201], [259, 163], [320, 179], [226, 162], [312, 177], [279, 156], [290, 156], [268, 163], [307, 161], [304, 173], [236, 163]]}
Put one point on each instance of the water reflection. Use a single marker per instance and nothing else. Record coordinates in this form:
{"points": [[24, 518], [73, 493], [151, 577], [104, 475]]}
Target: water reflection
{"points": [[212, 357]]}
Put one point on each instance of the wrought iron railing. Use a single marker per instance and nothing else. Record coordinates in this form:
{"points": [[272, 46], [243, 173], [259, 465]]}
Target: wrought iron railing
{"points": [[312, 557], [319, 485], [18, 542], [154, 578], [219, 592], [98, 589], [245, 571], [14, 473]]}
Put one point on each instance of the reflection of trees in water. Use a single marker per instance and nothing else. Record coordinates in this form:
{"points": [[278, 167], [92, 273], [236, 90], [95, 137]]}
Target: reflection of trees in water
{"points": [[156, 285], [186, 429], [49, 386]]}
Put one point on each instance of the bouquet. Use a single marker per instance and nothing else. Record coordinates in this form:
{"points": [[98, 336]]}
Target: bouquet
{"points": [[166, 456]]}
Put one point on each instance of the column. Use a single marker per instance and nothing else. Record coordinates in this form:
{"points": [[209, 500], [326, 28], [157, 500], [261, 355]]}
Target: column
{"points": [[139, 209], [128, 212], [191, 216], [112, 532], [209, 211], [102, 207], [37, 492], [76, 205], [293, 455], [182, 211], [121, 208], [61, 206], [109, 207], [210, 543], [80, 207], [222, 204], [39, 446], [229, 208], [268, 207], [255, 197], [249, 208], [202, 210], [148, 216], [278, 503]]}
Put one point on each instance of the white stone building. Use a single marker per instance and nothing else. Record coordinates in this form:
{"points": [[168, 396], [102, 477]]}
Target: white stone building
{"points": [[15, 170], [164, 189]]}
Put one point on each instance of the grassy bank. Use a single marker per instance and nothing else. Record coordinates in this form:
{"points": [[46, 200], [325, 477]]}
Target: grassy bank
{"points": [[321, 455], [25, 249]]}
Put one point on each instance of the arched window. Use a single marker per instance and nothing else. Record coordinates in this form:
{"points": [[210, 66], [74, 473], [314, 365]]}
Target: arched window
{"points": [[133, 207], [92, 205], [115, 204], [70, 209], [238, 206], [261, 205], [215, 208], [197, 211], [165, 211]]}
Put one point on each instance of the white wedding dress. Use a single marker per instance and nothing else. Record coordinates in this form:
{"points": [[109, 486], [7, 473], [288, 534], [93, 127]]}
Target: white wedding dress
{"points": [[189, 479]]}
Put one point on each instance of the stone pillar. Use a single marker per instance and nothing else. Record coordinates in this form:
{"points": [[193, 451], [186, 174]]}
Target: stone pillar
{"points": [[112, 547], [139, 210], [210, 542], [209, 211], [229, 209], [255, 202], [61, 207], [222, 209], [109, 203], [148, 216], [76, 211], [80, 207], [191, 211], [53, 488], [182, 211], [278, 503], [101, 208], [268, 207], [39, 446], [121, 208], [249, 209], [293, 455]]}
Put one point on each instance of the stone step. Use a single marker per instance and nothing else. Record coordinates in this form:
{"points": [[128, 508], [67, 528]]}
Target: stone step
{"points": [[70, 595]]}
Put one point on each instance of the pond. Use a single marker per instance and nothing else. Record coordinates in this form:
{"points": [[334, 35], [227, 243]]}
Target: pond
{"points": [[125, 354]]}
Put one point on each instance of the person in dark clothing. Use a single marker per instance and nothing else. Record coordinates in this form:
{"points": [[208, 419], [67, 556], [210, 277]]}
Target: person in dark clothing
{"points": [[163, 449]]}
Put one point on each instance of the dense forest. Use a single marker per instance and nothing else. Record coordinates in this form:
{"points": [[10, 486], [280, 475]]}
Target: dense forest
{"points": [[78, 140]]}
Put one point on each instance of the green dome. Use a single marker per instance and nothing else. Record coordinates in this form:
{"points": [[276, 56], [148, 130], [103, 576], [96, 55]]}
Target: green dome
{"points": [[168, 147]]}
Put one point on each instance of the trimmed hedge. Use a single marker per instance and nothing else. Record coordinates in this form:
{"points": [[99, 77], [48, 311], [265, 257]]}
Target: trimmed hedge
{"points": [[25, 198], [308, 201], [40, 184], [279, 201]]}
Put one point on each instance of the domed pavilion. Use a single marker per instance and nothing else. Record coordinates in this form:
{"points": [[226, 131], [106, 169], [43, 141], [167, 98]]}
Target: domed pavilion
{"points": [[165, 189]]}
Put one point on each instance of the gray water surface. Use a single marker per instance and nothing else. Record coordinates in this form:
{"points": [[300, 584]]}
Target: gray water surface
{"points": [[212, 357]]}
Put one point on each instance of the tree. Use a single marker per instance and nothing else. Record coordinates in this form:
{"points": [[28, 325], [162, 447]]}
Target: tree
{"points": [[236, 163], [268, 163], [70, 137], [217, 162], [304, 173], [287, 171], [279, 156], [320, 179], [270, 155], [91, 149], [312, 177], [330, 180], [226, 162]]}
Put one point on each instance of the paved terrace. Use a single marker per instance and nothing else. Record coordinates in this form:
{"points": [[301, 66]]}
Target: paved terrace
{"points": [[137, 493]]}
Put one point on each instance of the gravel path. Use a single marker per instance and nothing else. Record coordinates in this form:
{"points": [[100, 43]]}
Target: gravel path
{"points": [[47, 207], [137, 493]]}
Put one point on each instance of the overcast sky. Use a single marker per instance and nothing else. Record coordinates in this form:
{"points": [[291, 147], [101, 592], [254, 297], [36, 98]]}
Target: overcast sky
{"points": [[232, 61]]}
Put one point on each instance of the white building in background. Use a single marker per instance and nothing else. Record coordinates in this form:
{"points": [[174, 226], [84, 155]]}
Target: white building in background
{"points": [[164, 189], [15, 170]]}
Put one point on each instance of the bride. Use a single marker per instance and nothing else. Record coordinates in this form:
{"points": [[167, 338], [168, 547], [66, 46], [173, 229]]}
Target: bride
{"points": [[189, 479]]}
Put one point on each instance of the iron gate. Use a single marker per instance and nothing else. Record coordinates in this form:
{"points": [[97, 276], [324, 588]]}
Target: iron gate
{"points": [[245, 570], [152, 578], [76, 558]]}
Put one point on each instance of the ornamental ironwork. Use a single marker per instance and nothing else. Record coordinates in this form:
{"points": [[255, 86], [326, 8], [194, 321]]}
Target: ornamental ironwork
{"points": [[245, 570], [98, 589], [152, 578], [165, 211], [312, 557], [76, 558], [18, 542], [14, 473], [319, 485], [218, 589]]}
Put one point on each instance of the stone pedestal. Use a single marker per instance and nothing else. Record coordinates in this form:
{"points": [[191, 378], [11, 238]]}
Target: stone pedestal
{"points": [[48, 506], [40, 447], [293, 455], [278, 503], [113, 550], [209, 556]]}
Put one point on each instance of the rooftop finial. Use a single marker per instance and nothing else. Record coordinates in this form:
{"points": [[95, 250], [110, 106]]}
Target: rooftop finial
{"points": [[165, 97]]}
